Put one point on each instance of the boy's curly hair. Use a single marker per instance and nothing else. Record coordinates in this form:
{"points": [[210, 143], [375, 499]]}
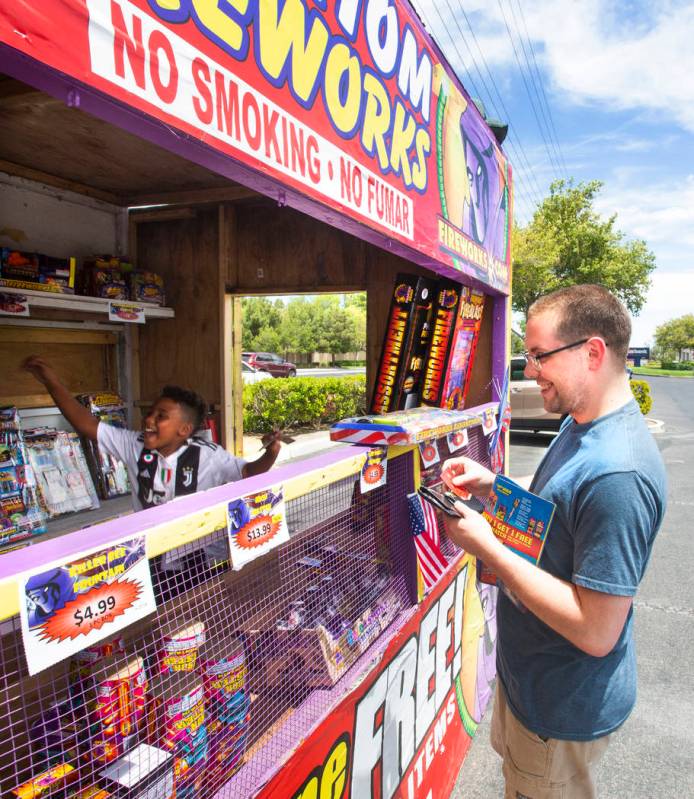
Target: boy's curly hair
{"points": [[193, 404]]}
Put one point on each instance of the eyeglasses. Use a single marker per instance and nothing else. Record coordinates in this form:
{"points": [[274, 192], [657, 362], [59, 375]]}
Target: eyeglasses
{"points": [[536, 360]]}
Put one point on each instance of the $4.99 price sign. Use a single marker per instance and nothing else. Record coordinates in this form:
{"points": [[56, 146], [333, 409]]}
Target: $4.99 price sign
{"points": [[256, 524], [68, 606]]}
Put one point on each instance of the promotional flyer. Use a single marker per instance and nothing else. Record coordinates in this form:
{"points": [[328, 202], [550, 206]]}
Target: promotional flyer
{"points": [[348, 104]]}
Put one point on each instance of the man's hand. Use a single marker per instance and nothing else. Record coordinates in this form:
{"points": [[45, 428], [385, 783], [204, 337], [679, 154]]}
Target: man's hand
{"points": [[41, 370], [471, 532], [463, 475]]}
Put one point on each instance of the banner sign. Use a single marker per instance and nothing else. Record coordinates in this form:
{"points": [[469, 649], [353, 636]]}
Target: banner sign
{"points": [[68, 607], [347, 103], [404, 731]]}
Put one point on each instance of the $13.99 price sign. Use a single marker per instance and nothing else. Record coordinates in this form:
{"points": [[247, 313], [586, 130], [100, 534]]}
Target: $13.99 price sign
{"points": [[256, 524], [71, 605]]}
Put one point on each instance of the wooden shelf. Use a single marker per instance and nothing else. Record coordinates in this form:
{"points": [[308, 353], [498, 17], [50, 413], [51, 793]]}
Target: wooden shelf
{"points": [[77, 302]]}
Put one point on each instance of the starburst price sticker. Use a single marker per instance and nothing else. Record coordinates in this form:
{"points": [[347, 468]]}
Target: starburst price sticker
{"points": [[429, 453], [374, 472], [256, 524], [69, 606]]}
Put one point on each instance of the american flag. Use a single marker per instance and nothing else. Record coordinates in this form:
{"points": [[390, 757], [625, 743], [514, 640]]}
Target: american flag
{"points": [[496, 443], [425, 530]]}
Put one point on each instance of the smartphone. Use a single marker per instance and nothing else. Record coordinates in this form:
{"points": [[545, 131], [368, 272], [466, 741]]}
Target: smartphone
{"points": [[445, 502]]}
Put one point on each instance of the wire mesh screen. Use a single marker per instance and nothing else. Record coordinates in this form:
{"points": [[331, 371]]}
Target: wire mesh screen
{"points": [[476, 448], [209, 694]]}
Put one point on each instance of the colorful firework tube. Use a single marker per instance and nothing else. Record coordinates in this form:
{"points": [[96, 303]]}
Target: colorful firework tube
{"points": [[228, 702], [120, 706], [401, 306], [455, 330], [84, 663], [50, 781], [180, 647], [409, 380], [177, 724], [463, 348]]}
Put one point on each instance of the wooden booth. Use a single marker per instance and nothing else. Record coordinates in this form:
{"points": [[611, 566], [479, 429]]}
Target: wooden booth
{"points": [[241, 149]]}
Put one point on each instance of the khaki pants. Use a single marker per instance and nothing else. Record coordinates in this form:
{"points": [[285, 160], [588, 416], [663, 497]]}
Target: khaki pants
{"points": [[535, 768]]}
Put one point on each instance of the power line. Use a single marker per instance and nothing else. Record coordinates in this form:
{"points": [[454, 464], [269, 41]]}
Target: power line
{"points": [[542, 87], [521, 157], [527, 89]]}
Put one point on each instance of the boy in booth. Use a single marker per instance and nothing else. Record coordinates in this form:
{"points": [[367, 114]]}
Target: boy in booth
{"points": [[165, 460]]}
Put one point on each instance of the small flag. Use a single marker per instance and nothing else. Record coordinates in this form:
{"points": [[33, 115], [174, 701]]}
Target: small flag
{"points": [[425, 530], [496, 443]]}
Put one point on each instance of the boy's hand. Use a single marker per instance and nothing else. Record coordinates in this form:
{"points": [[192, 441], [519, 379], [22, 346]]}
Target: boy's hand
{"points": [[272, 442], [463, 475], [41, 370]]}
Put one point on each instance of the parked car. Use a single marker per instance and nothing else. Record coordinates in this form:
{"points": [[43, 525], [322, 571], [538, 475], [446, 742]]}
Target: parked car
{"points": [[527, 408], [270, 362], [250, 375]]}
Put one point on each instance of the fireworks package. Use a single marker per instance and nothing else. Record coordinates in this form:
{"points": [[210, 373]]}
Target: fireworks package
{"points": [[456, 324], [109, 474], [404, 345]]}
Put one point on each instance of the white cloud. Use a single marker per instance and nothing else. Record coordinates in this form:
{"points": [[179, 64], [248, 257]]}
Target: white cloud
{"points": [[594, 51], [670, 296], [660, 213]]}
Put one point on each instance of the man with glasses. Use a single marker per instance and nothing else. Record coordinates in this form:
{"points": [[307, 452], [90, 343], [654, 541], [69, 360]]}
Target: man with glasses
{"points": [[565, 658]]}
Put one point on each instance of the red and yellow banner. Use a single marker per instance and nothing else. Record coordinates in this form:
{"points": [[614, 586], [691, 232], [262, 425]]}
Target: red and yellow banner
{"points": [[345, 102], [405, 730]]}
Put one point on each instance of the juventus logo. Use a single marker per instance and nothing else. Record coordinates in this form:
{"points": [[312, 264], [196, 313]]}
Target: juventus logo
{"points": [[187, 476]]}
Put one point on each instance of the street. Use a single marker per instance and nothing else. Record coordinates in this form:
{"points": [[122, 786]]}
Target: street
{"points": [[652, 755]]}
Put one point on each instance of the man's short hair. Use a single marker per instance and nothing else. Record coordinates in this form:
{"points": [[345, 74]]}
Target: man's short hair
{"points": [[588, 310], [192, 404]]}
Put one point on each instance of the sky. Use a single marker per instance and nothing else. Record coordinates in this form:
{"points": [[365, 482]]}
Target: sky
{"points": [[618, 81]]}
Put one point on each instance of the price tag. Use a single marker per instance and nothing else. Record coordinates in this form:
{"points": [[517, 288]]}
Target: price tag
{"points": [[374, 472], [67, 607], [126, 312], [457, 440], [429, 453], [256, 524]]}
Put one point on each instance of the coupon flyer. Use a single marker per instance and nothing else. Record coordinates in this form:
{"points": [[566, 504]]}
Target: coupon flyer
{"points": [[71, 605]]}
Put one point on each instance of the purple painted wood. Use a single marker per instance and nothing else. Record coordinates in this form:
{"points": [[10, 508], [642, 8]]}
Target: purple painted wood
{"points": [[63, 547], [499, 355]]}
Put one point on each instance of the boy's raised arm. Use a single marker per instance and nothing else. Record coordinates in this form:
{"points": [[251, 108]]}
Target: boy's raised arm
{"points": [[78, 416]]}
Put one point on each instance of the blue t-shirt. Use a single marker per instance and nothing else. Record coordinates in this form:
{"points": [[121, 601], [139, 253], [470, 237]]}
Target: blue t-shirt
{"points": [[607, 480]]}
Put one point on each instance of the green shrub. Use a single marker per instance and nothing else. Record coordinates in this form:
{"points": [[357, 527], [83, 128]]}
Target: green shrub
{"points": [[677, 366], [302, 402], [642, 394]]}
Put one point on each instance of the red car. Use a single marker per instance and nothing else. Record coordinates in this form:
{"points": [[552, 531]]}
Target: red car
{"points": [[269, 362]]}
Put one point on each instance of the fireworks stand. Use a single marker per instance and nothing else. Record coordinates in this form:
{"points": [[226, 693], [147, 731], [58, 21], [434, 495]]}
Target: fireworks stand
{"points": [[285, 635]]}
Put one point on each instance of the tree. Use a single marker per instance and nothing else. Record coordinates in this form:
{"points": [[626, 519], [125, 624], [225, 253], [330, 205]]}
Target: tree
{"points": [[567, 243], [673, 336], [259, 314]]}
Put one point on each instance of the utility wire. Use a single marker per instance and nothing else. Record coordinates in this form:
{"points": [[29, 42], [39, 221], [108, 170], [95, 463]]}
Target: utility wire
{"points": [[522, 160], [542, 87], [527, 88], [531, 201], [533, 83]]}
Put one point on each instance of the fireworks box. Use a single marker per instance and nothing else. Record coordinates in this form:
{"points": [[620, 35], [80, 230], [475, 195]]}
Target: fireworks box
{"points": [[404, 344], [457, 319], [408, 427]]}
